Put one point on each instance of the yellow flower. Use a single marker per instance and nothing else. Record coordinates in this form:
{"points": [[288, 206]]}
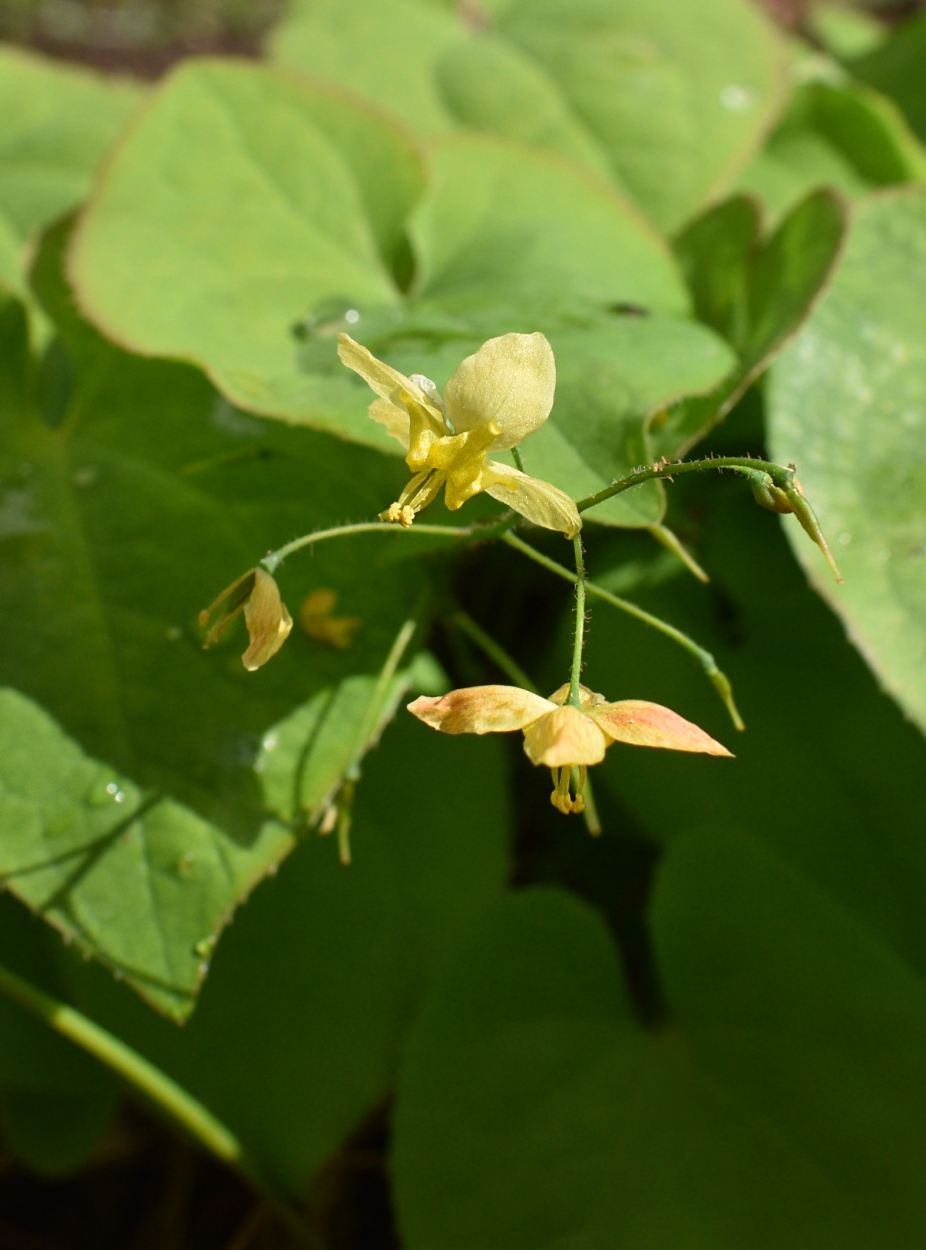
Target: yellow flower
{"points": [[256, 595], [559, 736], [494, 400]]}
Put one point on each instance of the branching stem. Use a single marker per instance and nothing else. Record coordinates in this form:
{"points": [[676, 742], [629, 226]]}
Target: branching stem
{"points": [[782, 476], [579, 639], [718, 679]]}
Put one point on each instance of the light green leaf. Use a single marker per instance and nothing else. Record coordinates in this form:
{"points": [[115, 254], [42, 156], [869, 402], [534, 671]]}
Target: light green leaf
{"points": [[385, 50], [501, 223], [839, 134], [138, 881], [127, 504], [510, 239], [56, 122], [847, 403], [677, 97], [670, 102], [242, 201], [756, 293]]}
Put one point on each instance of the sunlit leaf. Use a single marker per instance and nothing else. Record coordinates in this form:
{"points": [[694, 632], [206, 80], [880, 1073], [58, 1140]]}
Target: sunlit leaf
{"points": [[56, 122], [847, 403]]}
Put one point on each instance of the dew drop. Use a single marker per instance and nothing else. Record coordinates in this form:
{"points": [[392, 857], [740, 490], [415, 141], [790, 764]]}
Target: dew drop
{"points": [[736, 98], [352, 316]]}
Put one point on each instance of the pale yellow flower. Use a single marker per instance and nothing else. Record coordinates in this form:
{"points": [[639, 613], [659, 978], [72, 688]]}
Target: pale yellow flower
{"points": [[268, 622], [497, 396], [559, 736]]}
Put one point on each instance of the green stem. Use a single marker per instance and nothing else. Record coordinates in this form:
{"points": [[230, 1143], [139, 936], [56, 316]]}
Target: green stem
{"points": [[510, 667], [273, 561], [150, 1081], [718, 679], [579, 640], [780, 475]]}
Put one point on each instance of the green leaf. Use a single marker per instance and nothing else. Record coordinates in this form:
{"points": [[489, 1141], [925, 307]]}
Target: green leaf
{"points": [[846, 404], [138, 881], [122, 515], [501, 223], [505, 239], [783, 1107], [55, 1101], [56, 122], [298, 1032], [756, 293], [895, 68], [242, 201], [670, 104], [305, 757], [384, 50], [839, 134]]}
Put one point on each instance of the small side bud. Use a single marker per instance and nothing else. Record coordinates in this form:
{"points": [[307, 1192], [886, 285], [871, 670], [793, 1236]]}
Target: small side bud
{"points": [[268, 622], [766, 493]]}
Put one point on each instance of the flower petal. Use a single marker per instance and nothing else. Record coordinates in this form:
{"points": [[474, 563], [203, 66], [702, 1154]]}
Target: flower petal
{"points": [[267, 619], [651, 725], [481, 710], [394, 418], [536, 500], [379, 376], [565, 736], [510, 380]]}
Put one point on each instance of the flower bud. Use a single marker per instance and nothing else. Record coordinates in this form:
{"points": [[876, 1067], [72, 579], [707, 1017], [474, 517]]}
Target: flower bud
{"points": [[268, 622], [766, 493]]}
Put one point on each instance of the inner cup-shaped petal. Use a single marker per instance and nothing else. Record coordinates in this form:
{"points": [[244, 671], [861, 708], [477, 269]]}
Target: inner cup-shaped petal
{"points": [[510, 380], [645, 724], [480, 710], [564, 736]]}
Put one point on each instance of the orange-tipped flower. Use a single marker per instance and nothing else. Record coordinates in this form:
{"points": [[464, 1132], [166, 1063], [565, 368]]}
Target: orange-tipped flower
{"points": [[558, 735], [265, 614]]}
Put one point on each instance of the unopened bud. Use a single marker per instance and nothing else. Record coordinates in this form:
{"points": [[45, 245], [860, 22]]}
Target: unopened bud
{"points": [[268, 622], [766, 493]]}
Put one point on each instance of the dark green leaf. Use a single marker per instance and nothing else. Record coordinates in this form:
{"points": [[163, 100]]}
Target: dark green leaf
{"points": [[757, 294]]}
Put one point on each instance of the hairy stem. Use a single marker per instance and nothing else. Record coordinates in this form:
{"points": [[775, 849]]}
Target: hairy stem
{"points": [[718, 679], [273, 561], [579, 640], [780, 475]]}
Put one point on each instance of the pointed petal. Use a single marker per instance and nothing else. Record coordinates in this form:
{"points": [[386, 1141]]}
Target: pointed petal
{"points": [[538, 501], [379, 376], [651, 725], [481, 710], [267, 619], [395, 419], [565, 736], [510, 381]]}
